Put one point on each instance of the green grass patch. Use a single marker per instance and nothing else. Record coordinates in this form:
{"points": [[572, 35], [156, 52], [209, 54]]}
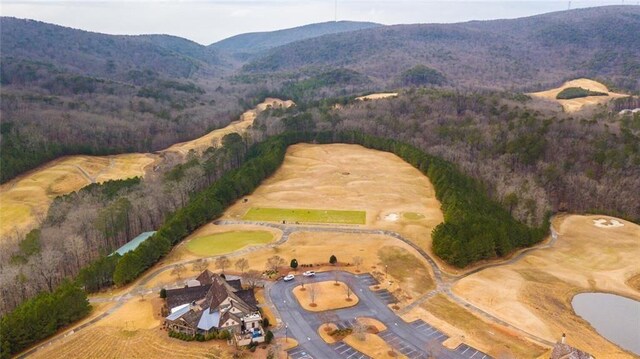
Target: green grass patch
{"points": [[577, 92], [412, 216], [227, 242], [292, 215]]}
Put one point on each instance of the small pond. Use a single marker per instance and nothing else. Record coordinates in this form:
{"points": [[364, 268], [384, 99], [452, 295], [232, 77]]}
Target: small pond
{"points": [[615, 317]]}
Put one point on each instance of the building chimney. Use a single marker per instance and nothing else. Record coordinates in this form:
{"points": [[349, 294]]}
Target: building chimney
{"points": [[564, 337]]}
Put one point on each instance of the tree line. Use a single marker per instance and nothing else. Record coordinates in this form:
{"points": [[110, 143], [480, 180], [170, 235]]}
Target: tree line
{"points": [[41, 317], [474, 228]]}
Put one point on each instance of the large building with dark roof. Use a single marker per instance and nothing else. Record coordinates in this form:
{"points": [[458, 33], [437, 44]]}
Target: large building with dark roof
{"points": [[214, 305]]}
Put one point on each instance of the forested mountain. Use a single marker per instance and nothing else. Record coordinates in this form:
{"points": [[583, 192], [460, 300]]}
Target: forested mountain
{"points": [[244, 45], [520, 53], [67, 91], [108, 56]]}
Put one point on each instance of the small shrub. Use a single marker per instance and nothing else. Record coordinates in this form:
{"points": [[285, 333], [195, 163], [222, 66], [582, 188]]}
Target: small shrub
{"points": [[333, 260], [265, 322], [268, 337], [163, 293]]}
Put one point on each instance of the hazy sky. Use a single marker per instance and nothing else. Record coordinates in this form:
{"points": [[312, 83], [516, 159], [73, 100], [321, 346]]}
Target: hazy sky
{"points": [[207, 21]]}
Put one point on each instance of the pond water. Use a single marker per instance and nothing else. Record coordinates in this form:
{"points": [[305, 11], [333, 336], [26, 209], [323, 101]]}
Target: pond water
{"points": [[615, 317]]}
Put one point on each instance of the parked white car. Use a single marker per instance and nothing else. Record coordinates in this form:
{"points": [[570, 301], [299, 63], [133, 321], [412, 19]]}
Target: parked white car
{"points": [[309, 273], [288, 277]]}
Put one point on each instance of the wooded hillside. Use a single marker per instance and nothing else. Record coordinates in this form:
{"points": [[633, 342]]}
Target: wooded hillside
{"points": [[513, 54]]}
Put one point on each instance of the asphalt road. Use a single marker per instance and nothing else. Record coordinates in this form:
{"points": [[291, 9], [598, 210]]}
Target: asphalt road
{"points": [[303, 325]]}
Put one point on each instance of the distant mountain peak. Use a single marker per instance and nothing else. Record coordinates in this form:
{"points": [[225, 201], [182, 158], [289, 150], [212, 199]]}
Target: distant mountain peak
{"points": [[254, 42]]}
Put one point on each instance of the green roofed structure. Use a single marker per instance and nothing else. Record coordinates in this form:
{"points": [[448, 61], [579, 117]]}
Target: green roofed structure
{"points": [[134, 243]]}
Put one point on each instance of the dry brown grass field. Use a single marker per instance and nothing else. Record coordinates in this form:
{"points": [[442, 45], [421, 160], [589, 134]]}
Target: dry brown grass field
{"points": [[464, 326], [577, 104], [535, 293], [133, 331], [24, 201], [351, 177]]}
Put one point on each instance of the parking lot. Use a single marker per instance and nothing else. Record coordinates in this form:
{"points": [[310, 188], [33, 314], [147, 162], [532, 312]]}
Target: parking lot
{"points": [[386, 297], [402, 346], [347, 352], [415, 340], [471, 353], [299, 352], [428, 332]]}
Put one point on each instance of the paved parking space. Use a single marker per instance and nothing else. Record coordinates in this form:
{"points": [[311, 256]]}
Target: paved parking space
{"points": [[428, 332], [402, 346], [367, 279], [347, 352], [386, 296], [299, 352], [471, 353]]}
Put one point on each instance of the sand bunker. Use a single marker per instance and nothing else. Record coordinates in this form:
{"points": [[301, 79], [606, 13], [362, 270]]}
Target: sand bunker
{"points": [[576, 104], [607, 223], [391, 217]]}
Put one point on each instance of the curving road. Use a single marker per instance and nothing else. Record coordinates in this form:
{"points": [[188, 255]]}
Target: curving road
{"points": [[443, 285]]}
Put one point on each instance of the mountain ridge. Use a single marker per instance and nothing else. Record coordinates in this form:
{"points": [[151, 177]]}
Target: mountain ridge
{"points": [[547, 48]]}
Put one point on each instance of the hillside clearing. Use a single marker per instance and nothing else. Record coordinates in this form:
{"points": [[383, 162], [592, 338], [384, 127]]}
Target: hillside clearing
{"points": [[214, 137], [576, 104], [344, 177], [535, 293], [377, 96], [25, 200]]}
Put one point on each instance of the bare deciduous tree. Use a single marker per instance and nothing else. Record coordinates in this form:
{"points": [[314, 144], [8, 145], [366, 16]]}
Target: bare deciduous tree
{"points": [[274, 263], [359, 330], [222, 262], [200, 265], [178, 270], [252, 277], [242, 264], [314, 292], [357, 261]]}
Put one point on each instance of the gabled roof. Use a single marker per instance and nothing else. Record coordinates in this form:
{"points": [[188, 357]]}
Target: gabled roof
{"points": [[235, 284], [564, 351], [205, 277], [216, 295], [209, 320], [176, 297], [209, 311], [178, 313], [248, 297]]}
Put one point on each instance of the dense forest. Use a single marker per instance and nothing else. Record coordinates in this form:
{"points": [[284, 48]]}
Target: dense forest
{"points": [[529, 156], [67, 91]]}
